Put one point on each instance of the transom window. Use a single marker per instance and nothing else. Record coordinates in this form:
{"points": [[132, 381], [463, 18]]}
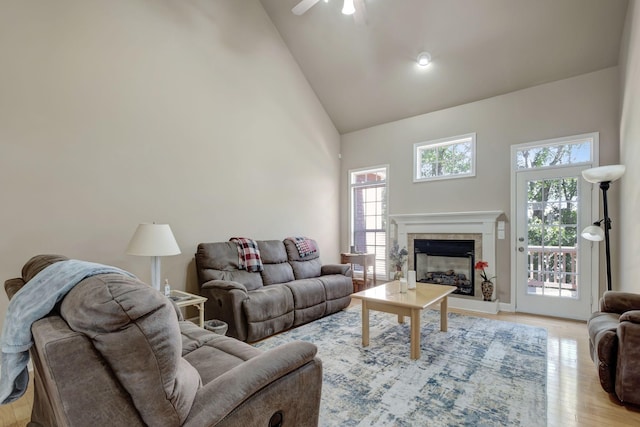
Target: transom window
{"points": [[368, 213], [558, 152], [445, 158]]}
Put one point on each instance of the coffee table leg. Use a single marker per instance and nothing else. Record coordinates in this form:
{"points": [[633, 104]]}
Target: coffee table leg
{"points": [[400, 318], [415, 333], [365, 324], [443, 315]]}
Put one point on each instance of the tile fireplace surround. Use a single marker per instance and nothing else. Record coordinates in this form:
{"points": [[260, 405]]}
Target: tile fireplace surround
{"points": [[479, 226]]}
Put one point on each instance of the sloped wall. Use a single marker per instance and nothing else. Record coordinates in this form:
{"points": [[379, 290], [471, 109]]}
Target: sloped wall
{"points": [[190, 113]]}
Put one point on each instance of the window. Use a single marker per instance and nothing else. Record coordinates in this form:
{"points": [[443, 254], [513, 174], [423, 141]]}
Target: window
{"points": [[558, 152], [368, 189], [453, 157]]}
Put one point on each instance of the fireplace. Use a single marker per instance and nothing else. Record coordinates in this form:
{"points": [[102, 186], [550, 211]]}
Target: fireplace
{"points": [[446, 262], [479, 226]]}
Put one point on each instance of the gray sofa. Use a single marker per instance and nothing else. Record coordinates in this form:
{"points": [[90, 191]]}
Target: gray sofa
{"points": [[116, 352], [290, 291]]}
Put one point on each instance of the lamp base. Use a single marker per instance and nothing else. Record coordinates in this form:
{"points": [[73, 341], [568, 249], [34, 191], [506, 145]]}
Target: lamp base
{"points": [[155, 272]]}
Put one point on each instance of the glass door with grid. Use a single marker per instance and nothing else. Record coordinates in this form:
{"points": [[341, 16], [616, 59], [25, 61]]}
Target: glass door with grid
{"points": [[369, 215], [553, 272]]}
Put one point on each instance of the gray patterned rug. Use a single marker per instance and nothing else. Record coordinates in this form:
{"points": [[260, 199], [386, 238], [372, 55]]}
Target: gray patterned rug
{"points": [[480, 373]]}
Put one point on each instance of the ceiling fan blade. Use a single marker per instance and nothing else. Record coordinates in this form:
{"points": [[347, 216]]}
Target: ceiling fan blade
{"points": [[360, 15], [303, 6]]}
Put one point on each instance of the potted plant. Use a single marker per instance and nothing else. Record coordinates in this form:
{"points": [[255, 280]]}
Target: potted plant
{"points": [[487, 284], [398, 258]]}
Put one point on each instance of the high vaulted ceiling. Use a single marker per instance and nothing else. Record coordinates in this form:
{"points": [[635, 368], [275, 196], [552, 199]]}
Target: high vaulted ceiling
{"points": [[365, 73]]}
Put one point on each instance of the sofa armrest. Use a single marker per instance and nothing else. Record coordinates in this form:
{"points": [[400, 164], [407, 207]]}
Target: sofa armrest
{"points": [[224, 302], [632, 316], [224, 394], [619, 302], [627, 368], [344, 269], [225, 285]]}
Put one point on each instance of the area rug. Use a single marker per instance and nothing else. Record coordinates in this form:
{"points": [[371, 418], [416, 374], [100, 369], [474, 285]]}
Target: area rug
{"points": [[481, 372]]}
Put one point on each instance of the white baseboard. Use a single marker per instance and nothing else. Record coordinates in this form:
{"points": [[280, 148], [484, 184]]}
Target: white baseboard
{"points": [[491, 307]]}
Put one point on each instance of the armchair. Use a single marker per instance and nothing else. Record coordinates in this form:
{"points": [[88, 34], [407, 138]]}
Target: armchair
{"points": [[614, 343], [117, 352]]}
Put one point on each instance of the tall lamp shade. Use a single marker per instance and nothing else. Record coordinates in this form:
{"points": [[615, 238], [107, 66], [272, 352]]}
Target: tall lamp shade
{"points": [[599, 231], [603, 173], [153, 240]]}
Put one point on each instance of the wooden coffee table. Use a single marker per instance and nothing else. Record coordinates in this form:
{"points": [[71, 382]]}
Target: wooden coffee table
{"points": [[387, 298]]}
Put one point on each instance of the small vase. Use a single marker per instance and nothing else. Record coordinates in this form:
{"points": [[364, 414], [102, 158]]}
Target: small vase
{"points": [[487, 290]]}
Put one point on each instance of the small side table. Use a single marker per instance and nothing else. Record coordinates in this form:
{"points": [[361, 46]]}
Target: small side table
{"points": [[185, 299], [365, 260]]}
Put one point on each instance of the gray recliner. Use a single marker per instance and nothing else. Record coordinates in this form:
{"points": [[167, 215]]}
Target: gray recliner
{"points": [[614, 342], [117, 352]]}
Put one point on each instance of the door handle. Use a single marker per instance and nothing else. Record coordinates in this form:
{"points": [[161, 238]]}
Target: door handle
{"points": [[520, 249]]}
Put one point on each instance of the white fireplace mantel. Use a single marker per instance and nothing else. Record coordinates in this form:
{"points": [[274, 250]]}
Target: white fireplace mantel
{"points": [[444, 219], [480, 222]]}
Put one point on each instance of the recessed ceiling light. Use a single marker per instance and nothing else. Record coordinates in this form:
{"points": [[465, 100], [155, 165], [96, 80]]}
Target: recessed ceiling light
{"points": [[424, 59]]}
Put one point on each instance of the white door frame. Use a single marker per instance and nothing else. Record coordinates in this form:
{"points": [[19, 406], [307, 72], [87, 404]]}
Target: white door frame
{"points": [[595, 212]]}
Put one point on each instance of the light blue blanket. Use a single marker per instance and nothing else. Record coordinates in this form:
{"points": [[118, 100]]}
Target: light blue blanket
{"points": [[31, 303]]}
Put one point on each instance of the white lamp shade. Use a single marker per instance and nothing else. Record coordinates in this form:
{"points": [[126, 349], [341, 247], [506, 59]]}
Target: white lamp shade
{"points": [[153, 240], [593, 233], [604, 173]]}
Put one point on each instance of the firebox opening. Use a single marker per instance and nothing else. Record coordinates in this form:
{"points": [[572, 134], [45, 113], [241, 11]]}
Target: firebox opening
{"points": [[446, 262]]}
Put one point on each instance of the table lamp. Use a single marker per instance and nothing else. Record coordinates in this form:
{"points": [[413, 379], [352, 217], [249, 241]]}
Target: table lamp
{"points": [[154, 240], [602, 175]]}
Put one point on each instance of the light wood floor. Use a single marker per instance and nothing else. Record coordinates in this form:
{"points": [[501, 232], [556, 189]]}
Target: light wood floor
{"points": [[574, 395]]}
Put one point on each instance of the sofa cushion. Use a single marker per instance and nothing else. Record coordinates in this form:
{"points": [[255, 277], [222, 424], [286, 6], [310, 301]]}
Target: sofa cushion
{"points": [[306, 269], [309, 300], [303, 267], [272, 251], [212, 354], [268, 311], [294, 255], [136, 330], [274, 258], [219, 261], [274, 274], [306, 292], [267, 303]]}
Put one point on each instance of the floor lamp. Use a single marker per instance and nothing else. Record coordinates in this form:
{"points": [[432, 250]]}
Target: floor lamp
{"points": [[602, 175], [154, 240]]}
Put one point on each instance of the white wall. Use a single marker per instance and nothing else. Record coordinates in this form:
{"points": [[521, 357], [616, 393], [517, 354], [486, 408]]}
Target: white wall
{"points": [[587, 103], [192, 113], [630, 153]]}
